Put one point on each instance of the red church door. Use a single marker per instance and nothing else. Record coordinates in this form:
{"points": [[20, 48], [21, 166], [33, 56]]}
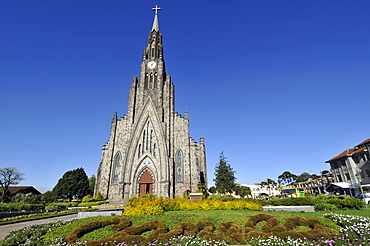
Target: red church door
{"points": [[146, 183]]}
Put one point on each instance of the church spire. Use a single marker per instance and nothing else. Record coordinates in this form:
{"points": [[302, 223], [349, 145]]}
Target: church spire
{"points": [[155, 22]]}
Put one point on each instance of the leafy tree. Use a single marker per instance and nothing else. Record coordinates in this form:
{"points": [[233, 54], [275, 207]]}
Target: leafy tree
{"points": [[92, 181], [19, 197], [305, 176], [9, 176], [225, 179], [242, 191], [26, 198], [269, 184], [212, 190], [286, 178], [73, 185], [325, 173], [48, 197], [32, 198]]}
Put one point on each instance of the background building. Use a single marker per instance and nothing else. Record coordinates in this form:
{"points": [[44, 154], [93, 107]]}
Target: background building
{"points": [[258, 191], [352, 166]]}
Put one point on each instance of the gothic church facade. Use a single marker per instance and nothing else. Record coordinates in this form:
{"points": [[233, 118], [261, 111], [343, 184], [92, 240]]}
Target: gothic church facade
{"points": [[149, 149]]}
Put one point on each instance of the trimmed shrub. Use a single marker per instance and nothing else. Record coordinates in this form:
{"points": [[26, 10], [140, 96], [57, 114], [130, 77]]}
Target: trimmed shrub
{"points": [[229, 231], [59, 205], [221, 197], [88, 198], [229, 227], [99, 197], [271, 222], [133, 233], [340, 202], [77, 234], [10, 207], [150, 205], [90, 204], [325, 207]]}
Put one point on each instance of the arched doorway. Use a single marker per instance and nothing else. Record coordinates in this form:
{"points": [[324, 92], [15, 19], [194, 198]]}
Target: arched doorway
{"points": [[146, 183]]}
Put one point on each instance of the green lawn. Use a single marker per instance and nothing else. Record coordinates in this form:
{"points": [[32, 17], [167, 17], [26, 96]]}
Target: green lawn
{"points": [[172, 218]]}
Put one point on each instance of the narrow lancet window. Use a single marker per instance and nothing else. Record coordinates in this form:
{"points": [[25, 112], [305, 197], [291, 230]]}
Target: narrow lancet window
{"points": [[144, 138], [116, 167], [179, 167], [150, 141]]}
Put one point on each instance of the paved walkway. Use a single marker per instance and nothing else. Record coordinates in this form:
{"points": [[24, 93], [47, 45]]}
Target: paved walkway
{"points": [[5, 229]]}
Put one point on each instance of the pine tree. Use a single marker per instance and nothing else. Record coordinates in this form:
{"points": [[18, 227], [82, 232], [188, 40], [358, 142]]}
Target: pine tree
{"points": [[225, 179]]}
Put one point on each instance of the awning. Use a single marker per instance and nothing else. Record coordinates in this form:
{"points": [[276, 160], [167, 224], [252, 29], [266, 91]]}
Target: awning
{"points": [[337, 186], [342, 185]]}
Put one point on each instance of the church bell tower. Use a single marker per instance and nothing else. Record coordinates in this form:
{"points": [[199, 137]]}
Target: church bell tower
{"points": [[149, 149]]}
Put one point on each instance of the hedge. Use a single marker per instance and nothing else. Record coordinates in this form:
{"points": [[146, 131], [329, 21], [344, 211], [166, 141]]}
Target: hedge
{"points": [[149, 205], [12, 207]]}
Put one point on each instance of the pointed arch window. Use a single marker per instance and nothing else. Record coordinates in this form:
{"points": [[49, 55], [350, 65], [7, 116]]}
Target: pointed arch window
{"points": [[151, 81], [116, 167], [150, 141], [147, 140], [155, 80], [179, 167], [144, 138], [146, 81], [154, 150]]}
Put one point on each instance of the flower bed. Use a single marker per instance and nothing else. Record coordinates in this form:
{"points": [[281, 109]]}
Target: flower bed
{"points": [[260, 229], [151, 205]]}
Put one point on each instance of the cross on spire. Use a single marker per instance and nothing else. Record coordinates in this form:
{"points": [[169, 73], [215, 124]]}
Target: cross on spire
{"points": [[156, 8]]}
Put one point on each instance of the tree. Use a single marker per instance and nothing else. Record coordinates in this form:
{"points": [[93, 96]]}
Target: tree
{"points": [[286, 178], [9, 176], [92, 181], [242, 191], [225, 179], [48, 197], [212, 190], [305, 176], [32, 198], [73, 185], [269, 184]]}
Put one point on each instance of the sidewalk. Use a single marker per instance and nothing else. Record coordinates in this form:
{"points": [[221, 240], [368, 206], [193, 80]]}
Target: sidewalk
{"points": [[5, 229]]}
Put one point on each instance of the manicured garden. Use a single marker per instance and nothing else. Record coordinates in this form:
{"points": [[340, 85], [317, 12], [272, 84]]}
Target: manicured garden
{"points": [[206, 223]]}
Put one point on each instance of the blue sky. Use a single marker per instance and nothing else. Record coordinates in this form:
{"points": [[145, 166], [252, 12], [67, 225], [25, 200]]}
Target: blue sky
{"points": [[276, 85]]}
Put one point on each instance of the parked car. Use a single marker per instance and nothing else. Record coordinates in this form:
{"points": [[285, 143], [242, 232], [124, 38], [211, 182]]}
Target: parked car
{"points": [[365, 196]]}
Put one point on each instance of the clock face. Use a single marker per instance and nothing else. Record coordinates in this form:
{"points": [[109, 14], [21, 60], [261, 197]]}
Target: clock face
{"points": [[152, 64]]}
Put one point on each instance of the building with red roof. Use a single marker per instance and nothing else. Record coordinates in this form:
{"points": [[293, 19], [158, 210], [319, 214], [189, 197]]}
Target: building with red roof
{"points": [[352, 166]]}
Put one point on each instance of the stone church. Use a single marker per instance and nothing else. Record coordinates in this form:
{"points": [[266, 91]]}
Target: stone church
{"points": [[149, 149]]}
